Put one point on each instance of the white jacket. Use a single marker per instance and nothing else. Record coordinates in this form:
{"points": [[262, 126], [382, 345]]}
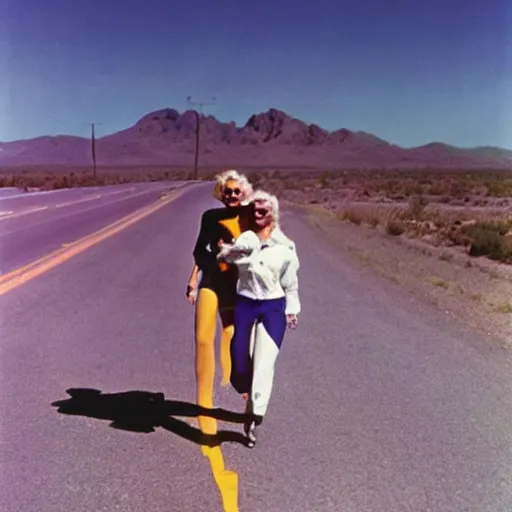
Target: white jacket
{"points": [[266, 272]]}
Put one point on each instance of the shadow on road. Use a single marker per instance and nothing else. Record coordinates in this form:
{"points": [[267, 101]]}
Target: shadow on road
{"points": [[143, 411]]}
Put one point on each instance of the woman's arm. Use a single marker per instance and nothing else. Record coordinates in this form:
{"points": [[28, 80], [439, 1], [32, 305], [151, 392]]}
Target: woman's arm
{"points": [[290, 282], [230, 253], [244, 245], [194, 274], [192, 285], [203, 258]]}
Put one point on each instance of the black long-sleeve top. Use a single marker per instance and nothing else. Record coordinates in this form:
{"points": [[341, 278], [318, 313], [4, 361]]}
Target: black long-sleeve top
{"points": [[224, 224]]}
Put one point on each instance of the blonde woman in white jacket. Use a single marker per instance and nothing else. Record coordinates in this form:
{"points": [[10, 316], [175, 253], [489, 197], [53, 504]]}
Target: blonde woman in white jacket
{"points": [[267, 300]]}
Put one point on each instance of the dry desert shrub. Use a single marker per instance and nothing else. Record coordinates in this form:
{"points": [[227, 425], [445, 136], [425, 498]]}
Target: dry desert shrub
{"points": [[455, 187], [57, 178], [490, 238], [453, 207], [470, 210], [395, 227], [482, 233], [369, 214]]}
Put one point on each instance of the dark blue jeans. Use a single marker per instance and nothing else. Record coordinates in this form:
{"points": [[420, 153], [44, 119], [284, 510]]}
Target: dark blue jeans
{"points": [[255, 375]]}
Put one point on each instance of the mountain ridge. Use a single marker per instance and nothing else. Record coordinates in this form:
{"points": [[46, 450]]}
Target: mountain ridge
{"points": [[271, 138]]}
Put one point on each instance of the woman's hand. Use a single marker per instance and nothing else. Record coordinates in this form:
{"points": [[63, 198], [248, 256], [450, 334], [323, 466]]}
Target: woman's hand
{"points": [[231, 251], [191, 292], [292, 321], [192, 285]]}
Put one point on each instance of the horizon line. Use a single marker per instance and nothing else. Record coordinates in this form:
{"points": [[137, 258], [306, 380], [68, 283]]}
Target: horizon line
{"points": [[290, 116]]}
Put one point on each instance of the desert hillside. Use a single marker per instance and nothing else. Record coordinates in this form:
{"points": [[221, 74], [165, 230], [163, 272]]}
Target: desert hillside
{"points": [[272, 138]]}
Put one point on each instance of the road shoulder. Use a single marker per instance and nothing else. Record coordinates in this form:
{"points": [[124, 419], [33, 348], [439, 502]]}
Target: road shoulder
{"points": [[475, 294]]}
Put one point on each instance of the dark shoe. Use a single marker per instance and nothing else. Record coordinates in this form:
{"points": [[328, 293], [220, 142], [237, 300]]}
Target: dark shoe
{"points": [[250, 425]]}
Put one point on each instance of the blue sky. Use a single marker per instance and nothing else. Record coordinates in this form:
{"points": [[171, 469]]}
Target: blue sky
{"points": [[409, 72]]}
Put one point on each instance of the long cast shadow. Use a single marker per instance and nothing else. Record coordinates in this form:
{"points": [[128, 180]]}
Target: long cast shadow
{"points": [[143, 411]]}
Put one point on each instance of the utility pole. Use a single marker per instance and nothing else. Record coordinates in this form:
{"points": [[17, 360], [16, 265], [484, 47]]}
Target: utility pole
{"points": [[199, 113], [93, 149]]}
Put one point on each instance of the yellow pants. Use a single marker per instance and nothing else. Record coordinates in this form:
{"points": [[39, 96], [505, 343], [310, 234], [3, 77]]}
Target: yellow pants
{"points": [[205, 327], [207, 306]]}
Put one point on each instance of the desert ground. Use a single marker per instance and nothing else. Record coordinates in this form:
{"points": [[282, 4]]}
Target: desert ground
{"points": [[446, 235], [443, 234], [406, 294]]}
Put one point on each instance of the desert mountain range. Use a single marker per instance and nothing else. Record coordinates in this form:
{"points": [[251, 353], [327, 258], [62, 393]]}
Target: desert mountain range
{"points": [[269, 139]]}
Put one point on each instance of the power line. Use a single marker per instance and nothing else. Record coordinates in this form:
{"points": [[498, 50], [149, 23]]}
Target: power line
{"points": [[198, 114]]}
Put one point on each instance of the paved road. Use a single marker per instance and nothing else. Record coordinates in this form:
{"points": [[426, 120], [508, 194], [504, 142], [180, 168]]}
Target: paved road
{"points": [[34, 224], [380, 404]]}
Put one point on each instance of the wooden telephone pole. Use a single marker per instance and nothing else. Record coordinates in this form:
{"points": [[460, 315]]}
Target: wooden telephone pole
{"points": [[93, 149], [199, 113]]}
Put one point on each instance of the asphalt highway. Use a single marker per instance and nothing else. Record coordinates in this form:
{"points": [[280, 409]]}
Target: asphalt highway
{"points": [[34, 224], [381, 403]]}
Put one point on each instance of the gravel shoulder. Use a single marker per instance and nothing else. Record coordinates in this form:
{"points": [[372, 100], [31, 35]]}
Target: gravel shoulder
{"points": [[473, 291]]}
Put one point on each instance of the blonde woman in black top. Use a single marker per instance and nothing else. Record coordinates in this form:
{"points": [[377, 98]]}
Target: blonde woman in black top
{"points": [[216, 293]]}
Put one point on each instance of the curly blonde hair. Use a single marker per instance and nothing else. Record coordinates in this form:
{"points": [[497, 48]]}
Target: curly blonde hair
{"points": [[231, 174], [270, 201]]}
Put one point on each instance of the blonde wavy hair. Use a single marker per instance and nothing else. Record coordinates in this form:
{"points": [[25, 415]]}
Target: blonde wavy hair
{"points": [[231, 174], [270, 201]]}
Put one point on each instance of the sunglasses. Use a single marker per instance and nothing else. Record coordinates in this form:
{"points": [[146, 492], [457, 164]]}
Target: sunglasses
{"points": [[232, 191], [261, 211]]}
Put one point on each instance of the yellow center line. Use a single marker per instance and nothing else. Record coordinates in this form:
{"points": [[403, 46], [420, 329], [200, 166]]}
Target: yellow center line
{"points": [[92, 235], [226, 480], [57, 252], [23, 274]]}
